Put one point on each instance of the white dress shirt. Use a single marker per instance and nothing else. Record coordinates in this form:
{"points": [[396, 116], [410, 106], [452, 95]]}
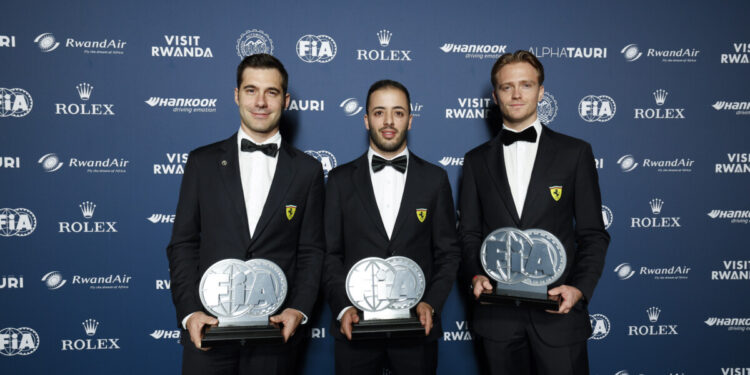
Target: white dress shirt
{"points": [[388, 186], [519, 162], [256, 173]]}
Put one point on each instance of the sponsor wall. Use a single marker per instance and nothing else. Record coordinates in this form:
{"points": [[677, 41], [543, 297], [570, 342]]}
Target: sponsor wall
{"points": [[100, 104]]}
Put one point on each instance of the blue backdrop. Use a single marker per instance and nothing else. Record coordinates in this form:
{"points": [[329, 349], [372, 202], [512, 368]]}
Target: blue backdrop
{"points": [[101, 101]]}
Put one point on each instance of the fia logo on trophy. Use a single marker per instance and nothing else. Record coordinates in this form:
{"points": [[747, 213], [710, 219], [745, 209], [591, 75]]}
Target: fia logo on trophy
{"points": [[523, 263], [242, 295], [386, 290]]}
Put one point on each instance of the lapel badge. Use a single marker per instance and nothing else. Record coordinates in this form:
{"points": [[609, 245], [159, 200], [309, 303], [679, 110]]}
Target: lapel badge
{"points": [[421, 214], [290, 210], [556, 192], [223, 163]]}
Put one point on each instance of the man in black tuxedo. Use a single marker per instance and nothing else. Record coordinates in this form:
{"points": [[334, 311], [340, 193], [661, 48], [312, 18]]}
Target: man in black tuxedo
{"points": [[385, 203], [532, 177], [249, 196]]}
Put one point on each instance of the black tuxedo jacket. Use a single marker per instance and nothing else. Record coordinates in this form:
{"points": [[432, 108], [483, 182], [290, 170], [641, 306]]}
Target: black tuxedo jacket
{"points": [[486, 204], [211, 223], [355, 230]]}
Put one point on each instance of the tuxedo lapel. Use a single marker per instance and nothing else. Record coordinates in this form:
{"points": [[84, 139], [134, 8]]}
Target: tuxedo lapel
{"points": [[496, 170], [411, 190], [363, 185], [545, 157], [229, 165], [282, 179]]}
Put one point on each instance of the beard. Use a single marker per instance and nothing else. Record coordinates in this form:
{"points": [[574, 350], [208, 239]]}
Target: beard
{"points": [[387, 145]]}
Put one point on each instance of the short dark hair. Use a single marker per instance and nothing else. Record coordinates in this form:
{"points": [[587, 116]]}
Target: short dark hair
{"points": [[263, 61], [518, 56], [387, 83]]}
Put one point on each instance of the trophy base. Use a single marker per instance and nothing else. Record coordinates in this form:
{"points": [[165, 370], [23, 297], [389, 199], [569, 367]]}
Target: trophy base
{"points": [[217, 336], [541, 301], [387, 329]]}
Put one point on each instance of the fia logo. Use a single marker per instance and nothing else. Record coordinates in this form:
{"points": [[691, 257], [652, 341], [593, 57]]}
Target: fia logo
{"points": [[15, 102], [316, 48], [597, 108]]}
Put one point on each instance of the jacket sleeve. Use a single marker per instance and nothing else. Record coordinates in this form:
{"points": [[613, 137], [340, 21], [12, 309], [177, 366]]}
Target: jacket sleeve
{"points": [[334, 275], [310, 248], [591, 237], [470, 227], [182, 251], [446, 252]]}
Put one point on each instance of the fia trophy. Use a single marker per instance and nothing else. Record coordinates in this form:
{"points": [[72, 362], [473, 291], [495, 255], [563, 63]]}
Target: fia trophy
{"points": [[385, 291], [523, 264], [242, 295]]}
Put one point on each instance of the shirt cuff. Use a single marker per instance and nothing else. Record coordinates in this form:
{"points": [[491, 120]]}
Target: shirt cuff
{"points": [[185, 319], [341, 314]]}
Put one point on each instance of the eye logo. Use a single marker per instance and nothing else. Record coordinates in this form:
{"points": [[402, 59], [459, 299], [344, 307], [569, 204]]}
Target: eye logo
{"points": [[351, 106], [46, 42], [627, 163], [54, 280], [631, 52]]}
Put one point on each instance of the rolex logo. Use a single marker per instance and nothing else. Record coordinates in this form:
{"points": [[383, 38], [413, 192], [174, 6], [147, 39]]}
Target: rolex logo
{"points": [[660, 96], [653, 314], [384, 37], [84, 90], [87, 209], [656, 205], [90, 326]]}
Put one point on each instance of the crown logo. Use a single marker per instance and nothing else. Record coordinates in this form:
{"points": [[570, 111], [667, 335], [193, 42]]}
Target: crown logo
{"points": [[84, 90], [653, 314], [87, 209], [656, 205], [384, 37], [660, 96], [90, 326]]}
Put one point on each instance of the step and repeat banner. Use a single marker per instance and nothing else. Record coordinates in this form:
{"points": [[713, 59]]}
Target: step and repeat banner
{"points": [[100, 103]]}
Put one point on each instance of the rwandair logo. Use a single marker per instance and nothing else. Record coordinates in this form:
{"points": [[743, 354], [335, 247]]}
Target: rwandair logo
{"points": [[421, 214], [290, 210], [556, 192]]}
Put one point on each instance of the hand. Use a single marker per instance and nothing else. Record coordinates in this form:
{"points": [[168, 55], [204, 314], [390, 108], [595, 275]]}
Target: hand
{"points": [[569, 296], [481, 284], [195, 325], [424, 312], [290, 320], [350, 317]]}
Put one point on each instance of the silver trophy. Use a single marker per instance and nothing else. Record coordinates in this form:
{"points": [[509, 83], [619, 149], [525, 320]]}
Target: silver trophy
{"points": [[242, 295], [386, 290], [523, 263]]}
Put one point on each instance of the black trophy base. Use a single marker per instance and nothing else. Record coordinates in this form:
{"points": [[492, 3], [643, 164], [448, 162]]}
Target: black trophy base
{"points": [[387, 329], [250, 335], [541, 301]]}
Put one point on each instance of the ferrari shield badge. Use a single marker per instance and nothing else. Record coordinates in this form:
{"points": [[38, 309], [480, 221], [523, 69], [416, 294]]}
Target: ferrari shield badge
{"points": [[556, 192], [421, 214], [290, 210]]}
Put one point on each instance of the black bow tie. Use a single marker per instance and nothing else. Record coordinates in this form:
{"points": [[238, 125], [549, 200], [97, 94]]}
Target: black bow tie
{"points": [[269, 149], [398, 163], [508, 137]]}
